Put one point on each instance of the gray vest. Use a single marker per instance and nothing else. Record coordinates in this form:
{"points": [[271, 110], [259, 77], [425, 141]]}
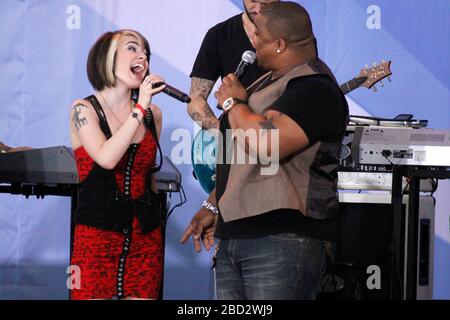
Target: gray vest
{"points": [[303, 182]]}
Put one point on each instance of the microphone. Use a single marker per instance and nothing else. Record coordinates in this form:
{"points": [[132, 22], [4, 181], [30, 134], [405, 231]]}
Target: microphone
{"points": [[248, 58], [173, 92]]}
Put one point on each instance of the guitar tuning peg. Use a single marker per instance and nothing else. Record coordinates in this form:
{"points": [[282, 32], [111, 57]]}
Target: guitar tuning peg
{"points": [[389, 78], [374, 89], [381, 83]]}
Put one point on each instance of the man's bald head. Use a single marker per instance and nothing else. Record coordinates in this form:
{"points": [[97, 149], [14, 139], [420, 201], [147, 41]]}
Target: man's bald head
{"points": [[289, 21]]}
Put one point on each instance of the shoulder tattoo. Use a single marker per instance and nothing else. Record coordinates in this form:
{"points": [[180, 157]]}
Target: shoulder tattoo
{"points": [[79, 120]]}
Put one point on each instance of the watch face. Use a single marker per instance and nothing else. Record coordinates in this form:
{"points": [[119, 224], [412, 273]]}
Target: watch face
{"points": [[227, 104]]}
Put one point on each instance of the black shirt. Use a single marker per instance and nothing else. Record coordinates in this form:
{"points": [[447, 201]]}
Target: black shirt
{"points": [[318, 106], [221, 52]]}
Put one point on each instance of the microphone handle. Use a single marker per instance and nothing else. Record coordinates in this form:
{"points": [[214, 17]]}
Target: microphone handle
{"points": [[240, 68], [174, 92], [238, 73]]}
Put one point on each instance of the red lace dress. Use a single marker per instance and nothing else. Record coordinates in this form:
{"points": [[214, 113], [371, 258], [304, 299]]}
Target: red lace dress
{"points": [[116, 264]]}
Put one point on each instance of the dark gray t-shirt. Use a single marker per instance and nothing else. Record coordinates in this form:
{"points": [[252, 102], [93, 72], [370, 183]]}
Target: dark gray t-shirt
{"points": [[221, 51]]}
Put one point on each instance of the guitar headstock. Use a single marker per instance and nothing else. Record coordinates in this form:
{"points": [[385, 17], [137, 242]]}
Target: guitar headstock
{"points": [[376, 73]]}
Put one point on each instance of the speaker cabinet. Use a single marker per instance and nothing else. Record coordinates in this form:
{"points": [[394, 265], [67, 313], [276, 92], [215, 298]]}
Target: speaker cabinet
{"points": [[364, 240]]}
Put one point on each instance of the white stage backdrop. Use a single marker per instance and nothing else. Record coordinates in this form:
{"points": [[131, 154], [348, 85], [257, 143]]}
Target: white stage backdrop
{"points": [[42, 65]]}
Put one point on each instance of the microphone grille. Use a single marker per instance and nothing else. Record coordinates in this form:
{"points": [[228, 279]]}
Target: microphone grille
{"points": [[249, 56]]}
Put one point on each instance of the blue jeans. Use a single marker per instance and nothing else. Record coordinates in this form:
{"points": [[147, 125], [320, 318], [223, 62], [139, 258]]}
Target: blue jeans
{"points": [[283, 266]]}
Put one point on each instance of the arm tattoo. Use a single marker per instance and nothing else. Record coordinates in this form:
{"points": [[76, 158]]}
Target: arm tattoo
{"points": [[202, 111], [208, 120], [78, 121], [202, 87], [268, 125]]}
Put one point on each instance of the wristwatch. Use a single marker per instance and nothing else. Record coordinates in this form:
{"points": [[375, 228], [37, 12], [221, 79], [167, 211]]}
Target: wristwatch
{"points": [[135, 115], [231, 102]]}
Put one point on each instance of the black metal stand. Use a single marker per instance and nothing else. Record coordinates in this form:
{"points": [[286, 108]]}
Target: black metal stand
{"points": [[41, 190], [397, 234], [399, 273]]}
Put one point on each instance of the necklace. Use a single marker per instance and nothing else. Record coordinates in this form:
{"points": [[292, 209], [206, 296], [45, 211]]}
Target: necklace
{"points": [[110, 109]]}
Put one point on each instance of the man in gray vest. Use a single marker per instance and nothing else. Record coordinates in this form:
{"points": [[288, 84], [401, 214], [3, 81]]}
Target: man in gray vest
{"points": [[276, 227]]}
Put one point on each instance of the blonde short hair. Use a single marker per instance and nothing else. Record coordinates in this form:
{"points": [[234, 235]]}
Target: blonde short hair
{"points": [[101, 59]]}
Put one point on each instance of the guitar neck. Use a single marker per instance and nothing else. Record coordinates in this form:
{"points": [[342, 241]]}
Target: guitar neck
{"points": [[352, 84]]}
